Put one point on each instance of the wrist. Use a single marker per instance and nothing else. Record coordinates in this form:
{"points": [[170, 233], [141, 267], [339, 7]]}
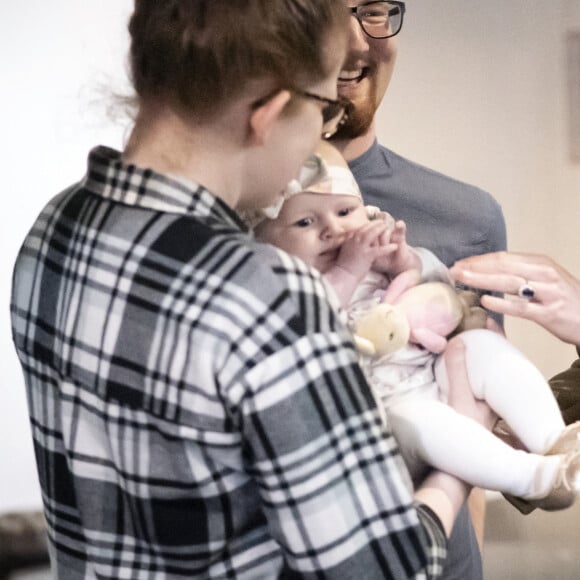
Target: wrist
{"points": [[444, 494], [412, 261], [354, 275]]}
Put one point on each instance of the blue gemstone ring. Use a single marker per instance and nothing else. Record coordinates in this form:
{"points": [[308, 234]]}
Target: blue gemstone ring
{"points": [[526, 291]]}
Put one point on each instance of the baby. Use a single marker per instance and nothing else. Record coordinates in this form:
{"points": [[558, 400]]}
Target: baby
{"points": [[322, 220]]}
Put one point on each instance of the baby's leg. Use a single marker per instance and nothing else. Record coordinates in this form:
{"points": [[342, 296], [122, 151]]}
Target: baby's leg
{"points": [[434, 433], [512, 386]]}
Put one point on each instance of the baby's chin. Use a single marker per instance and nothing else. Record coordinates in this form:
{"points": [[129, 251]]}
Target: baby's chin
{"points": [[325, 261]]}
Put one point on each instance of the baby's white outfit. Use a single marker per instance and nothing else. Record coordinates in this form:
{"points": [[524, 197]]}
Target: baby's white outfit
{"points": [[411, 388]]}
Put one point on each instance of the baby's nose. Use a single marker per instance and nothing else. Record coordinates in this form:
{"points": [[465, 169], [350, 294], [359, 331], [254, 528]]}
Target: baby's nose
{"points": [[332, 228]]}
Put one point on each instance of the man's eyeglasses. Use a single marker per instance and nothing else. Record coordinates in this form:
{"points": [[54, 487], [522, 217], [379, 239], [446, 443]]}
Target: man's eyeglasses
{"points": [[334, 111], [380, 19]]}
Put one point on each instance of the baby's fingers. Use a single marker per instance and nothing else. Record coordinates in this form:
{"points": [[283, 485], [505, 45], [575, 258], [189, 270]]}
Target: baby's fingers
{"points": [[385, 250], [370, 234], [399, 233]]}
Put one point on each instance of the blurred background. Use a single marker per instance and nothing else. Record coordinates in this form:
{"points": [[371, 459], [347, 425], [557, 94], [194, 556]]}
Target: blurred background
{"points": [[488, 92]]}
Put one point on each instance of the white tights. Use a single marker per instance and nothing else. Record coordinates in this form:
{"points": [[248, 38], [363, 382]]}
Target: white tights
{"points": [[498, 373]]}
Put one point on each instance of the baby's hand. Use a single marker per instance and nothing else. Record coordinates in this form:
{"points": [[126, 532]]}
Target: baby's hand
{"points": [[401, 256], [364, 247]]}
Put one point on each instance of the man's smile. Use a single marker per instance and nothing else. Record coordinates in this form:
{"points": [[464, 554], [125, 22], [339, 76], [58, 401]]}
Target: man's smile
{"points": [[352, 76]]}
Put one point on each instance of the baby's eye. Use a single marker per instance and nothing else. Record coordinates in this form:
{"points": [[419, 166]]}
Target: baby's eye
{"points": [[303, 223], [344, 211]]}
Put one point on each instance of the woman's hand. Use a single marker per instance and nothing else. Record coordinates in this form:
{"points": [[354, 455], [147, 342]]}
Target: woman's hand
{"points": [[442, 492], [553, 294], [460, 395]]}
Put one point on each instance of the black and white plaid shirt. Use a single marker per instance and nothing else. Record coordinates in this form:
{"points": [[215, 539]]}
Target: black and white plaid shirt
{"points": [[196, 406]]}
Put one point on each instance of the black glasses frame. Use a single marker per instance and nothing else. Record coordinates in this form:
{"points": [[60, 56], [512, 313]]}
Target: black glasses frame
{"points": [[332, 108], [400, 6]]}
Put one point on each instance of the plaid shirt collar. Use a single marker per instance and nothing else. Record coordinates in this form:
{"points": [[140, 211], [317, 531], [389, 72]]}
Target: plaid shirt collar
{"points": [[111, 178]]}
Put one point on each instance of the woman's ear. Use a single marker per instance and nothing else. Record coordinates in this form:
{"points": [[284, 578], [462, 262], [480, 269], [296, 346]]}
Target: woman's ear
{"points": [[265, 116]]}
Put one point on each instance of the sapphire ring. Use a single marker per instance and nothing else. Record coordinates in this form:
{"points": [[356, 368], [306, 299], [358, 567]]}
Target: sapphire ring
{"points": [[526, 291]]}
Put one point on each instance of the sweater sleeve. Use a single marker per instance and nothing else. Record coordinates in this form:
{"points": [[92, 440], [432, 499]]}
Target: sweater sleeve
{"points": [[566, 388]]}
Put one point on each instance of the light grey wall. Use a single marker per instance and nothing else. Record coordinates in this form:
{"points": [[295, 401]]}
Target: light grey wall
{"points": [[58, 61], [479, 93]]}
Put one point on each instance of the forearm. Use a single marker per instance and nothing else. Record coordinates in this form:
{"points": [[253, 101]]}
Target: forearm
{"points": [[318, 454], [444, 495], [335, 463]]}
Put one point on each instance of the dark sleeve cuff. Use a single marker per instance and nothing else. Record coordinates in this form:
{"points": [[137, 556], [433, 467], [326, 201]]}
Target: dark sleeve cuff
{"points": [[435, 538], [425, 512]]}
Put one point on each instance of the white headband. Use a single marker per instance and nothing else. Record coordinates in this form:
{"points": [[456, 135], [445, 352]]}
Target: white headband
{"points": [[316, 176]]}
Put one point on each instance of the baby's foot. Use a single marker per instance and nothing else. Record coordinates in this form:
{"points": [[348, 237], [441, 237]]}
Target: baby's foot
{"points": [[569, 440], [562, 492]]}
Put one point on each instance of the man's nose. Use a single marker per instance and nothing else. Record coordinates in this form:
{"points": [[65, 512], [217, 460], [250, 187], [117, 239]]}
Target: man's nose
{"points": [[357, 39]]}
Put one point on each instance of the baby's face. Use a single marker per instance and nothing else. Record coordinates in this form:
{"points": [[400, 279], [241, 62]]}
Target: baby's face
{"points": [[313, 226]]}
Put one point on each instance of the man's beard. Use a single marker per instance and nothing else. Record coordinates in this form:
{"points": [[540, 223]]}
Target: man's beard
{"points": [[360, 118]]}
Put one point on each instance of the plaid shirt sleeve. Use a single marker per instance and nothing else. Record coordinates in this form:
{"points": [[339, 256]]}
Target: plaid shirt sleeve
{"points": [[196, 405], [333, 485]]}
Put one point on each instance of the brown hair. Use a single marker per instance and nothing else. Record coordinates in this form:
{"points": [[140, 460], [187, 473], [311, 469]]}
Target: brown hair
{"points": [[200, 53]]}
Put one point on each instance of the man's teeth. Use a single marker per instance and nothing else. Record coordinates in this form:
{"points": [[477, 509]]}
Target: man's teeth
{"points": [[351, 75]]}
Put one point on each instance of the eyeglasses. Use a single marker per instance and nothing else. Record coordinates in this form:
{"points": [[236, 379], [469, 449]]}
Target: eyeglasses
{"points": [[334, 111], [380, 19]]}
